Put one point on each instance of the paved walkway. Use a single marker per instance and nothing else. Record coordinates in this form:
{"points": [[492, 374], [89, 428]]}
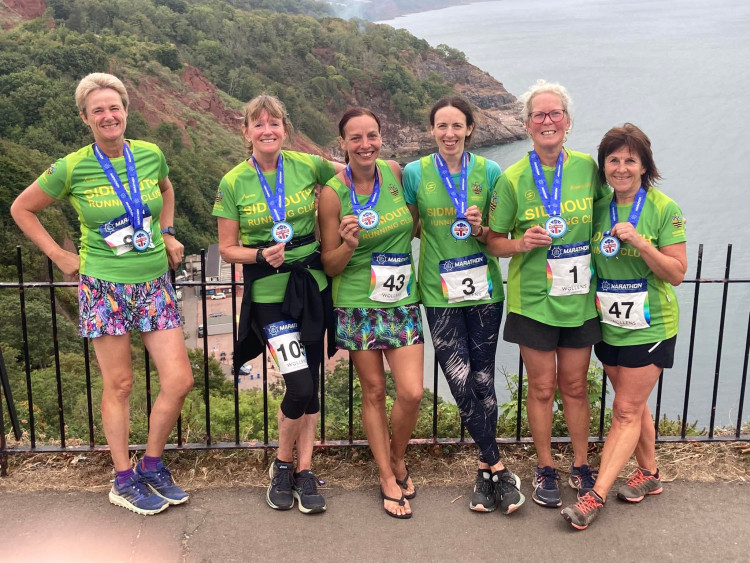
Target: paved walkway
{"points": [[688, 522]]}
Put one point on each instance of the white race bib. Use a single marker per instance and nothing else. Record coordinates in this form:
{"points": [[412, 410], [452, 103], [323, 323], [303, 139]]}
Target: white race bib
{"points": [[285, 347], [391, 277], [118, 232], [465, 278], [623, 303], [569, 269]]}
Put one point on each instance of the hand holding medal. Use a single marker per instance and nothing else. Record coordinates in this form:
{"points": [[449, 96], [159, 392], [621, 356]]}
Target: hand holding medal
{"points": [[349, 231], [367, 217], [625, 232]]}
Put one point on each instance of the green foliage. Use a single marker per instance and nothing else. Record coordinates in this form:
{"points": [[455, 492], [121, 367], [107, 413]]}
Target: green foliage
{"points": [[451, 53]]}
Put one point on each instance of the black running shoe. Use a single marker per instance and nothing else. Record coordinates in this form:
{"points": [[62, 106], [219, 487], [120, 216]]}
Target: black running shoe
{"points": [[305, 490], [507, 490], [279, 494], [483, 499]]}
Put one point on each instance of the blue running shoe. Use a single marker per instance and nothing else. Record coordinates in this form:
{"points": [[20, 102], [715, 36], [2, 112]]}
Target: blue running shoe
{"points": [[582, 478], [546, 490], [135, 495], [160, 481]]}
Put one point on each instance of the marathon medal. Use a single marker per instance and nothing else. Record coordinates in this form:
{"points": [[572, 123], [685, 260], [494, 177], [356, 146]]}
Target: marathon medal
{"points": [[367, 217], [282, 231], [610, 245], [133, 203], [555, 226], [460, 228]]}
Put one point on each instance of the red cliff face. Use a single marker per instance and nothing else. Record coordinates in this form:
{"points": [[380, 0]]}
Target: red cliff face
{"points": [[26, 9]]}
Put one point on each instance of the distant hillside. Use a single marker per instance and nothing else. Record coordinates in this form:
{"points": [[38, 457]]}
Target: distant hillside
{"points": [[387, 9], [190, 65]]}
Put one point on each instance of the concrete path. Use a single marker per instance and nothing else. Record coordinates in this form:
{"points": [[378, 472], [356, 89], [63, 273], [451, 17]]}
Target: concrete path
{"points": [[688, 522]]}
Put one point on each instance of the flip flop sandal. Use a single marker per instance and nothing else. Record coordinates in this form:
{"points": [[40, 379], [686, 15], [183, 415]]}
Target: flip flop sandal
{"points": [[400, 501], [404, 484]]}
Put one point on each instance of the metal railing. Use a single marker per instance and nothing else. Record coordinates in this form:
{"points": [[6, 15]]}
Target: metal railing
{"points": [[27, 428]]}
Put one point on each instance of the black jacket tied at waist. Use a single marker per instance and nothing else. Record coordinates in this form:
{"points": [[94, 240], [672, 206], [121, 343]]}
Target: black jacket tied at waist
{"points": [[303, 302]]}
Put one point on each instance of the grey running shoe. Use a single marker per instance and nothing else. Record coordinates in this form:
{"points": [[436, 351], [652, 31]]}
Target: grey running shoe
{"points": [[640, 484], [583, 512], [483, 499], [279, 494], [546, 490], [305, 490], [582, 478], [507, 490]]}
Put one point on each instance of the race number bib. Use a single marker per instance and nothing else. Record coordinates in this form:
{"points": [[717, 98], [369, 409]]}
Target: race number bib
{"points": [[285, 347], [568, 269], [465, 278], [391, 277], [623, 303], [118, 232]]}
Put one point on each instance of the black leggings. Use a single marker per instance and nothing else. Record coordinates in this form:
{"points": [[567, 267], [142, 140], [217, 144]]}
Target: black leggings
{"points": [[301, 395], [465, 341]]}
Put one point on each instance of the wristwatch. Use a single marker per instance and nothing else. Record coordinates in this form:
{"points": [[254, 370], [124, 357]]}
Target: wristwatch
{"points": [[169, 231], [259, 258]]}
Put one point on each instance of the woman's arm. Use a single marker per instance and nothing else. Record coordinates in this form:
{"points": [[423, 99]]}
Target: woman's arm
{"points": [[338, 238], [498, 244], [174, 247], [233, 252], [24, 211], [668, 262]]}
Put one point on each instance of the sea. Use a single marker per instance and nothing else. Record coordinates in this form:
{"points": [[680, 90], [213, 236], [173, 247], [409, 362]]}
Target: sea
{"points": [[679, 70]]}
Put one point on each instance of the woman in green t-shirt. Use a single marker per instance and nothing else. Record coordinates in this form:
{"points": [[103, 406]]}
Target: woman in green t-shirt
{"points": [[266, 218], [544, 201], [366, 232], [639, 256], [462, 287], [127, 245]]}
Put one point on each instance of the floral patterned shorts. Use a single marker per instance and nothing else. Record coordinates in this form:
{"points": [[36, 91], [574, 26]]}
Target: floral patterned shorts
{"points": [[364, 328], [110, 308]]}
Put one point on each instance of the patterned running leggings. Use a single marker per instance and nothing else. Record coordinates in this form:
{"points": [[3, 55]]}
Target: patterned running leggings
{"points": [[465, 340]]}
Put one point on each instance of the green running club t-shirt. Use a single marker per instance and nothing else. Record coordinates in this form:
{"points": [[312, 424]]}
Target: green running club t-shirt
{"points": [[380, 273], [451, 272], [79, 178], [240, 198], [551, 285], [636, 306]]}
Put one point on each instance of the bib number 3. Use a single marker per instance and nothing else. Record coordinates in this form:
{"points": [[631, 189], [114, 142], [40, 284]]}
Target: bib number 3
{"points": [[465, 278]]}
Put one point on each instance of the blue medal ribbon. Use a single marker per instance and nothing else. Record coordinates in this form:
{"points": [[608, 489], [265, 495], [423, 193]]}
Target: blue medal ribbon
{"points": [[457, 197], [635, 210], [276, 201], [132, 203], [372, 201], [551, 201]]}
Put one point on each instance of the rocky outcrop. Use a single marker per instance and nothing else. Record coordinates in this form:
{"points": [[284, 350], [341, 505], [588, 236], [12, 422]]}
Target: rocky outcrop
{"points": [[14, 11], [498, 112]]}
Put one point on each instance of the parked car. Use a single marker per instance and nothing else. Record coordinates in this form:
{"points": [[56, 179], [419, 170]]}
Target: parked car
{"points": [[245, 369], [200, 331], [219, 296]]}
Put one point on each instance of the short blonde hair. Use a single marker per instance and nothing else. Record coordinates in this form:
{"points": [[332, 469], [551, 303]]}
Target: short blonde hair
{"points": [[98, 81], [273, 106], [541, 86]]}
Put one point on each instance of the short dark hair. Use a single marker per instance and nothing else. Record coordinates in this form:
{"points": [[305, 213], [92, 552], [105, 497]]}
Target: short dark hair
{"points": [[637, 142], [460, 104]]}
